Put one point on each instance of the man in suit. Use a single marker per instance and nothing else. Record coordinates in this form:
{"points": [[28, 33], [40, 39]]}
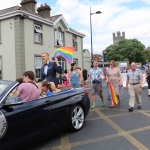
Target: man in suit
{"points": [[49, 69]]}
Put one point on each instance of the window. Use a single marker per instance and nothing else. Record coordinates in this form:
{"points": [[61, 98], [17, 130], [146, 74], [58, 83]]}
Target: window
{"points": [[59, 37], [38, 65], [0, 32], [75, 60], [62, 63], [0, 68], [75, 42], [38, 33]]}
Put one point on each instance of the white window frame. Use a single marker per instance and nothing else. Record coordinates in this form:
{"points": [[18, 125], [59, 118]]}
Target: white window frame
{"points": [[75, 42], [75, 60], [59, 37], [38, 62], [0, 67], [0, 33], [61, 61], [38, 65], [38, 33]]}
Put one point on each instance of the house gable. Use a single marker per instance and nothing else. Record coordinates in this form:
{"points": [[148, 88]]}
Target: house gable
{"points": [[62, 21]]}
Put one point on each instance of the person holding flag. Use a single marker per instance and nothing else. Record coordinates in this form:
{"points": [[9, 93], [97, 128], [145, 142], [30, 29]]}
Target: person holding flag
{"points": [[114, 80], [95, 82]]}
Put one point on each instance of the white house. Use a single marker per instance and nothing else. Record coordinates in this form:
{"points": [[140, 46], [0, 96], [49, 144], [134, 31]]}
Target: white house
{"points": [[25, 34], [87, 59]]}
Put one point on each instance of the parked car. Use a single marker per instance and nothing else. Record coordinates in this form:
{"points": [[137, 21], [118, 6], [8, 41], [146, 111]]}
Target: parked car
{"points": [[21, 122]]}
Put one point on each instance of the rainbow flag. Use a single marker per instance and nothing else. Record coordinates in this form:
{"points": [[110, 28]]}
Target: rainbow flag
{"points": [[102, 75], [113, 94], [64, 52]]}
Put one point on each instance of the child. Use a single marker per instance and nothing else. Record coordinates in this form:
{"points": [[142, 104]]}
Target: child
{"points": [[20, 80], [46, 87]]}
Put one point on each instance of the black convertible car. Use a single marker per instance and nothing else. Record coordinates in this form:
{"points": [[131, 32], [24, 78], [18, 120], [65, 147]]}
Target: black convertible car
{"points": [[21, 122]]}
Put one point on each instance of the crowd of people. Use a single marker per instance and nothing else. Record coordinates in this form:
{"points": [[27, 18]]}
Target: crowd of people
{"points": [[113, 75], [52, 71]]}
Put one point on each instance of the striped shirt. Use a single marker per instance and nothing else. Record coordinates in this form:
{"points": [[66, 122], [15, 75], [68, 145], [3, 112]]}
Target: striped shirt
{"points": [[134, 76]]}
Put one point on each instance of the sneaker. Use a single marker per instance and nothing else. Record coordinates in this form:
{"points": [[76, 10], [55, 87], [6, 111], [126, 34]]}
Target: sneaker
{"points": [[102, 104], [131, 109], [108, 98], [93, 106]]}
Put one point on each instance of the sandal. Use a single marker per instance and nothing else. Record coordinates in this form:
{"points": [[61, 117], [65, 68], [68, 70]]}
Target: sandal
{"points": [[119, 102], [112, 106]]}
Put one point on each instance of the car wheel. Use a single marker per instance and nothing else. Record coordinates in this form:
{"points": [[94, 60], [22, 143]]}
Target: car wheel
{"points": [[77, 118]]}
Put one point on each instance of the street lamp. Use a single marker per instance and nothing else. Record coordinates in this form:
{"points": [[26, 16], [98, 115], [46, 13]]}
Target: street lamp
{"points": [[97, 12]]}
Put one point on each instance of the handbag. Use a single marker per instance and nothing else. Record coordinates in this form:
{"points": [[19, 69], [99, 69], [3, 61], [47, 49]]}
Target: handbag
{"points": [[64, 78]]}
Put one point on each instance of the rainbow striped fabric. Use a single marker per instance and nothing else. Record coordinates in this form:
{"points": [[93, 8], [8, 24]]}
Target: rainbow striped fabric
{"points": [[113, 94], [64, 52]]}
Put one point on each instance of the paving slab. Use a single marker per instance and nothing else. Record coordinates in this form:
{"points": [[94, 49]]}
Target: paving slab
{"points": [[92, 114], [131, 121], [117, 143], [92, 129], [143, 137]]}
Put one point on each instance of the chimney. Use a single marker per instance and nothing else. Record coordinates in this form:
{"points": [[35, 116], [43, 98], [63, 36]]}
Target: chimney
{"points": [[29, 5], [44, 10]]}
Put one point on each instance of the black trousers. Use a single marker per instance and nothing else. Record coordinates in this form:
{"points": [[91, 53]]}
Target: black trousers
{"points": [[148, 81]]}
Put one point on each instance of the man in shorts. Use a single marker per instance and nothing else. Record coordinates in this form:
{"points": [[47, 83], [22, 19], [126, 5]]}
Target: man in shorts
{"points": [[95, 82]]}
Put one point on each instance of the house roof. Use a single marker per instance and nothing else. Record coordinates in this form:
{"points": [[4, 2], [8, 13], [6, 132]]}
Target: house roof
{"points": [[54, 18], [18, 10], [9, 9]]}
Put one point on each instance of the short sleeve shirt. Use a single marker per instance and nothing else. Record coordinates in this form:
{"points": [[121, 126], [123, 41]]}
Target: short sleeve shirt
{"points": [[134, 76], [28, 91], [95, 73], [48, 93], [113, 74]]}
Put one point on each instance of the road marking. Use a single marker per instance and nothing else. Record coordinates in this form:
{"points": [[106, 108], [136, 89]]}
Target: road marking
{"points": [[110, 116], [125, 134], [102, 138], [65, 144], [144, 113]]}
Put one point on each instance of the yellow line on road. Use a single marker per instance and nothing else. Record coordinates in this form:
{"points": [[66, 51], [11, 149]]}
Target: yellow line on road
{"points": [[123, 133], [65, 144], [110, 116], [103, 138]]}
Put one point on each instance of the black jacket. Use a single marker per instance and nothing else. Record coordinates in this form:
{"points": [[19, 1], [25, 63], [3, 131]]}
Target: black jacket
{"points": [[51, 72]]}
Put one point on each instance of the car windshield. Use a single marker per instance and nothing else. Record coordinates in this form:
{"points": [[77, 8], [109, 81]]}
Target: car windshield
{"points": [[4, 85]]}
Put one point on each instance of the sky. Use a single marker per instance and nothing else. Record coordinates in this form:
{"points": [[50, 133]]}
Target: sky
{"points": [[129, 16]]}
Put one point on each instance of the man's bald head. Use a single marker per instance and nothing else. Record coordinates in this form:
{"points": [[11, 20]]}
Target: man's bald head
{"points": [[133, 65]]}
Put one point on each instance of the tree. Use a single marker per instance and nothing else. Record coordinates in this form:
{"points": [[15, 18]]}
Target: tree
{"points": [[126, 49], [147, 55]]}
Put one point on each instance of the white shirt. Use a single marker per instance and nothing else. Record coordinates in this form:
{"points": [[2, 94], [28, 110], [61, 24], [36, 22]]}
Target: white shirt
{"points": [[46, 68]]}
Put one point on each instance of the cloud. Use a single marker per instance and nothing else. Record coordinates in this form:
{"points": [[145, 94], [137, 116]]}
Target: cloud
{"points": [[117, 15], [9, 3]]}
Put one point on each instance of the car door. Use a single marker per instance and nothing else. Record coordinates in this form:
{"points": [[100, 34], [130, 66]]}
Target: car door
{"points": [[26, 121], [63, 102]]}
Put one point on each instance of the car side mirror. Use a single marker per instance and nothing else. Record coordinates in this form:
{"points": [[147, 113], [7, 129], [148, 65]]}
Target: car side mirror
{"points": [[12, 101]]}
